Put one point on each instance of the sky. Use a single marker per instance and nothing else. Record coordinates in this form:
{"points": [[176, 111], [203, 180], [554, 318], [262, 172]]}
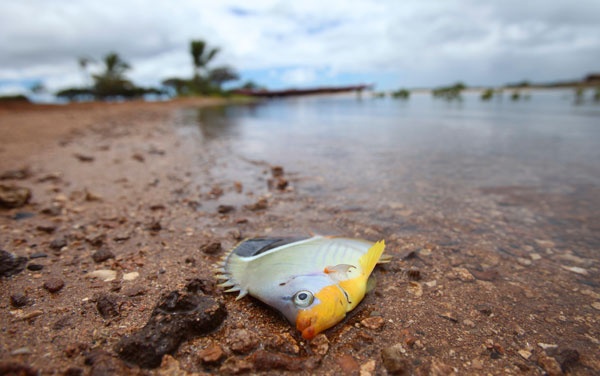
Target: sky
{"points": [[282, 44]]}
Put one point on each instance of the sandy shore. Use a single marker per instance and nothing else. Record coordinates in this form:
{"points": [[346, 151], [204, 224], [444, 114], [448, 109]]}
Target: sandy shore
{"points": [[114, 250]]}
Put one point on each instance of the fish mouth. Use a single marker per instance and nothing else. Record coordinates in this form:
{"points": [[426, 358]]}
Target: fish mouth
{"points": [[306, 325]]}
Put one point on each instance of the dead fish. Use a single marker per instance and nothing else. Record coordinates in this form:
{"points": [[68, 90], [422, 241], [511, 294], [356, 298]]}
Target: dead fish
{"points": [[313, 281]]}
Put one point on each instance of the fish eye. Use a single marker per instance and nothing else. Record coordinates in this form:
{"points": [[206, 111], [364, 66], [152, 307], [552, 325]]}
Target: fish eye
{"points": [[303, 298]]}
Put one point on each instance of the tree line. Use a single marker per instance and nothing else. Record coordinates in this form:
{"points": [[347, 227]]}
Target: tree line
{"points": [[112, 83]]}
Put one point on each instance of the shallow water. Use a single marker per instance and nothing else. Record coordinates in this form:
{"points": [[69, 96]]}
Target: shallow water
{"points": [[424, 155]]}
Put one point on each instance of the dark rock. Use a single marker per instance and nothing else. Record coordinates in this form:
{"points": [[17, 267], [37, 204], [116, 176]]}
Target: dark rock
{"points": [[54, 285], [224, 209], [154, 226], [211, 248], [17, 369], [58, 243], [73, 371], [22, 215], [102, 254], [96, 239], [567, 359], [107, 305], [11, 264], [104, 364], [37, 255], [19, 300], [63, 322], [53, 211], [47, 228], [178, 316], [269, 361], [12, 196], [394, 361], [261, 204], [84, 158], [35, 267], [276, 171], [197, 285], [19, 174]]}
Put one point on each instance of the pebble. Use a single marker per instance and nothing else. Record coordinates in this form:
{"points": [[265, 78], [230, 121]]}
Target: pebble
{"points": [[35, 267], [54, 285], [374, 322], [12, 196], [550, 365], [261, 204], [463, 274], [18, 300], [58, 243], [575, 269], [106, 275], [320, 344], [211, 354], [263, 360], [242, 341], [107, 305], [130, 276], [211, 248], [368, 368], [394, 360], [596, 305], [11, 264], [348, 364], [224, 209], [525, 354], [102, 254]]}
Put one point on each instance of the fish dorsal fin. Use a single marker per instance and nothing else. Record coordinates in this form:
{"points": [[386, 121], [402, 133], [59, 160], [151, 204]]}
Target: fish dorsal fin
{"points": [[370, 259], [338, 272]]}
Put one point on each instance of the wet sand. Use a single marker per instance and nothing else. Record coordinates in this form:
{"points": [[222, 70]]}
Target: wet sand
{"points": [[120, 191]]}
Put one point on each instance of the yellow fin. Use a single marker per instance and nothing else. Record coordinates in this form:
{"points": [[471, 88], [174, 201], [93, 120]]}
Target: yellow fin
{"points": [[370, 259]]}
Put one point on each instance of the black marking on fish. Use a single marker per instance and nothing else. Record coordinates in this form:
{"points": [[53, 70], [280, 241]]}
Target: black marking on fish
{"points": [[256, 246]]}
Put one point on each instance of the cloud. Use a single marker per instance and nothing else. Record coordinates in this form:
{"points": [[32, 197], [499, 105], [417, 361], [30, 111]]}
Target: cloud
{"points": [[412, 43]]}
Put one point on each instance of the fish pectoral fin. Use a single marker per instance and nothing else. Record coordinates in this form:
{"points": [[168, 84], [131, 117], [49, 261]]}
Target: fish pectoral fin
{"points": [[338, 272]]}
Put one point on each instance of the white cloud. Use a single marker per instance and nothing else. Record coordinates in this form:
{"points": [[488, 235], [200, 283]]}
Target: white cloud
{"points": [[420, 43]]}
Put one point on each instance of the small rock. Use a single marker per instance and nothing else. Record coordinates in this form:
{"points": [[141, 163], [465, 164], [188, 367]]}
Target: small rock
{"points": [[242, 341], [449, 316], [224, 209], [374, 322], [35, 267], [211, 248], [261, 204], [107, 305], [575, 269], [47, 228], [276, 171], [19, 300], [550, 365], [368, 368], [320, 344], [104, 274], [177, 316], [523, 261], [486, 275], [11, 264], [130, 276], [463, 274], [567, 358], [83, 157], [21, 351], [211, 354], [348, 364], [12, 196], [269, 361], [596, 305], [58, 243], [103, 363], [394, 360], [37, 255], [54, 285], [19, 174], [13, 368], [525, 354], [154, 226], [102, 254], [235, 366]]}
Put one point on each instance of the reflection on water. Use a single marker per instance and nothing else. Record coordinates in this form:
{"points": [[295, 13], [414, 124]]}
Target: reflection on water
{"points": [[422, 153]]}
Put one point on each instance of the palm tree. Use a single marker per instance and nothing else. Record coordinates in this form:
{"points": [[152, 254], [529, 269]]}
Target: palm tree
{"points": [[112, 82], [84, 62], [201, 55]]}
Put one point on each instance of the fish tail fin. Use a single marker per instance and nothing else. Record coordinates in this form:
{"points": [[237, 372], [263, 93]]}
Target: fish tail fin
{"points": [[370, 259]]}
